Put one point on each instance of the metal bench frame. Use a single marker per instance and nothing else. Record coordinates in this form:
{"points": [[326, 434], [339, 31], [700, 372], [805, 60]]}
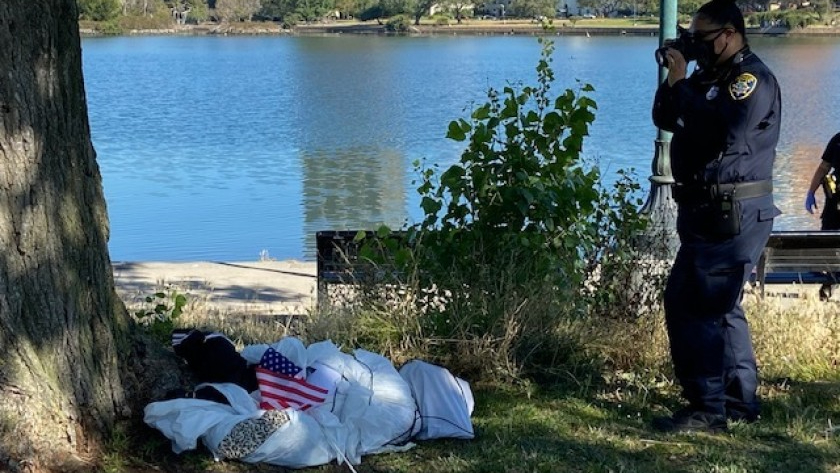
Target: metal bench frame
{"points": [[800, 257], [338, 260], [790, 257]]}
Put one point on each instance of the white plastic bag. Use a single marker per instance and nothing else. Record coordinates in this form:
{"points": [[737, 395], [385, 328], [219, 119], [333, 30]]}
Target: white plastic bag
{"points": [[444, 400]]}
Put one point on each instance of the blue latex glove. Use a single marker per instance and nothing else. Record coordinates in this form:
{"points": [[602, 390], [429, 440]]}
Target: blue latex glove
{"points": [[810, 202]]}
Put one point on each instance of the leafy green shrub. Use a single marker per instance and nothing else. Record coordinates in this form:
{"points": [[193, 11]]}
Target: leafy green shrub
{"points": [[99, 10], [799, 20], [398, 24], [371, 13], [519, 184], [110, 28], [162, 313], [198, 13], [442, 19], [291, 20]]}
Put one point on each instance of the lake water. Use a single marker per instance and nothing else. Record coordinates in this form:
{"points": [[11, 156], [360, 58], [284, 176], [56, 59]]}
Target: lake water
{"points": [[223, 148]]}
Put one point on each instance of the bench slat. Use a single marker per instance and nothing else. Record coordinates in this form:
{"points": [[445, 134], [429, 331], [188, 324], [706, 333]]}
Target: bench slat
{"points": [[804, 257]]}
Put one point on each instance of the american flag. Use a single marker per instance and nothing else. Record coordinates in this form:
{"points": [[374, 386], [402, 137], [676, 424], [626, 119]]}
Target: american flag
{"points": [[283, 384]]}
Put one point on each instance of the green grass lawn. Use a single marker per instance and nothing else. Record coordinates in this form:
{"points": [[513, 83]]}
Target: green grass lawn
{"points": [[617, 22], [587, 430]]}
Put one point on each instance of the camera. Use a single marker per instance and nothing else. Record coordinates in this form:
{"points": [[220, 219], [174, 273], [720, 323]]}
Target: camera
{"points": [[685, 43]]}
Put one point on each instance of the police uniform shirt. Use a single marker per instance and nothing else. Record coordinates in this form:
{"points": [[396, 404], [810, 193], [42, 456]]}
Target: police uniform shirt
{"points": [[831, 210], [831, 155], [725, 123]]}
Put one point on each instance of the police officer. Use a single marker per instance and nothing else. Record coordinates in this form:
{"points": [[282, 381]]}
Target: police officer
{"points": [[823, 176], [725, 122]]}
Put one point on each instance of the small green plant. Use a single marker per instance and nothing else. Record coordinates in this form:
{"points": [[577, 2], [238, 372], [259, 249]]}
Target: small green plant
{"points": [[398, 24], [162, 312], [520, 184]]}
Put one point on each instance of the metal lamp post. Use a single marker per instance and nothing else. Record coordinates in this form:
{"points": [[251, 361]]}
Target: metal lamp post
{"points": [[660, 239], [657, 246]]}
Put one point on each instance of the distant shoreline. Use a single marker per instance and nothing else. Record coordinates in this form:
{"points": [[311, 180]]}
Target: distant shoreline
{"points": [[495, 28]]}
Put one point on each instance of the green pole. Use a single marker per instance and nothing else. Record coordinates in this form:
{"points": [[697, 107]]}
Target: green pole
{"points": [[667, 27], [660, 238], [667, 30]]}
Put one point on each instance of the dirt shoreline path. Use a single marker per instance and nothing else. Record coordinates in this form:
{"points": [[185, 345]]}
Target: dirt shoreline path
{"points": [[258, 287]]}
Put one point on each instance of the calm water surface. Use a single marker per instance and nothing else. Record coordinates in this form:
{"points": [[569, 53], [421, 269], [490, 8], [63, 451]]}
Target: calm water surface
{"points": [[223, 148]]}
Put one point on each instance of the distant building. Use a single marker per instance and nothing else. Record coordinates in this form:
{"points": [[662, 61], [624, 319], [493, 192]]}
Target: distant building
{"points": [[497, 8], [502, 8], [467, 9], [567, 8]]}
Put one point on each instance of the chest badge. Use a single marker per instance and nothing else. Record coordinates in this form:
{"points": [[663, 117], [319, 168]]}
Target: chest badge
{"points": [[712, 93], [743, 86]]}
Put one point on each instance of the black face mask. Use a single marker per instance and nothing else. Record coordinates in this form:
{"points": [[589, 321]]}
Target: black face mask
{"points": [[705, 51]]}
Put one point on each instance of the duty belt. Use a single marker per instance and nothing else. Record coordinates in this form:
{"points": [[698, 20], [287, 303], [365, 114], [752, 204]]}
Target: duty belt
{"points": [[708, 193]]}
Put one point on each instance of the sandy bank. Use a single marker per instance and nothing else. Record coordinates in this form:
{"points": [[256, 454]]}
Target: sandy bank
{"points": [[245, 287]]}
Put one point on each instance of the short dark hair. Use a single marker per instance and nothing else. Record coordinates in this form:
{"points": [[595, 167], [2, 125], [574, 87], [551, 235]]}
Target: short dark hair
{"points": [[724, 13]]}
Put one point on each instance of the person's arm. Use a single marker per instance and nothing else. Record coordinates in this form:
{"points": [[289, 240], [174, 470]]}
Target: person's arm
{"points": [[819, 175], [816, 180], [666, 103], [664, 111], [751, 102]]}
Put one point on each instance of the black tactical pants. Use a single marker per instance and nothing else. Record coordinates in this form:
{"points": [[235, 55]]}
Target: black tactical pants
{"points": [[709, 335]]}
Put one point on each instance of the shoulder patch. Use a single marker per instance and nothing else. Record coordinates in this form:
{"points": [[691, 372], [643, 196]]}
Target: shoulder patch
{"points": [[742, 86]]}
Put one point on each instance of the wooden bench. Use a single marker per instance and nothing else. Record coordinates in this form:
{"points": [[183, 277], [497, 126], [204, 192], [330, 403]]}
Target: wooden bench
{"points": [[339, 261], [800, 257]]}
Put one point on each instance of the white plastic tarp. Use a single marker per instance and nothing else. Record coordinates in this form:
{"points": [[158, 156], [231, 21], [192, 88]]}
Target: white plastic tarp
{"points": [[444, 400], [369, 410]]}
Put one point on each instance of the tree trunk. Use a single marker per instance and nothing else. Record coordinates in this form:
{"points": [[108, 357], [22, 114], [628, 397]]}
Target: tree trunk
{"points": [[68, 346]]}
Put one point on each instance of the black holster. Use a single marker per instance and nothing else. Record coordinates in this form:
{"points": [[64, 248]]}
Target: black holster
{"points": [[726, 215], [723, 202]]}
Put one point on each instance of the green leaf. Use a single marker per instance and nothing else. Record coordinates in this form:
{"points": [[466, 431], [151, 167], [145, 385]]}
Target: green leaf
{"points": [[402, 257], [383, 231], [528, 195], [455, 132], [587, 102], [482, 113], [511, 109], [360, 236], [530, 118], [430, 206]]}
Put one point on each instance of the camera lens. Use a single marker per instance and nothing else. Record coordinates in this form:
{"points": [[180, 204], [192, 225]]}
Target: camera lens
{"points": [[661, 57]]}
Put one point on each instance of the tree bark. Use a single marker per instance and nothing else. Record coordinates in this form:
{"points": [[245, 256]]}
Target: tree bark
{"points": [[68, 346]]}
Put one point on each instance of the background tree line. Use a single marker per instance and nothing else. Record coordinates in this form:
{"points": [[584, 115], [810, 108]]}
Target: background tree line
{"points": [[293, 11], [787, 13], [159, 13]]}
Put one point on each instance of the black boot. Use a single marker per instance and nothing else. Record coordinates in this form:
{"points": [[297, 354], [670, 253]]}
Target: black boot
{"points": [[690, 420]]}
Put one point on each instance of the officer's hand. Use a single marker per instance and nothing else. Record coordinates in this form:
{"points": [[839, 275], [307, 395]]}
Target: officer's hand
{"points": [[810, 202], [677, 65]]}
